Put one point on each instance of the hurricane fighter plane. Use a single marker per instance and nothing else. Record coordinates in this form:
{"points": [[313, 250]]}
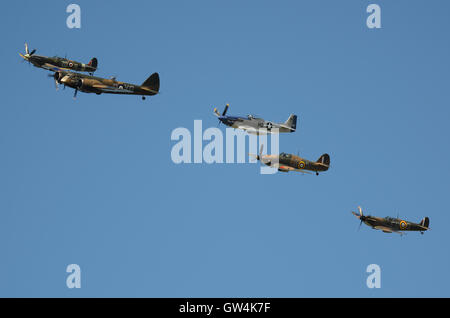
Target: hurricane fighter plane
{"points": [[91, 84], [50, 63], [255, 125], [390, 225], [285, 162]]}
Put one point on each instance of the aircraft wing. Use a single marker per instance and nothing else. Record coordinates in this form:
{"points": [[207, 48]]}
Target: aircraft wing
{"points": [[53, 68], [101, 86], [286, 168], [113, 90], [387, 229], [253, 130], [245, 127], [384, 229]]}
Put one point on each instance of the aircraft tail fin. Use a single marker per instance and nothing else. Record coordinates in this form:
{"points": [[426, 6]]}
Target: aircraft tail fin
{"points": [[425, 222], [152, 83], [292, 122], [93, 62], [324, 159]]}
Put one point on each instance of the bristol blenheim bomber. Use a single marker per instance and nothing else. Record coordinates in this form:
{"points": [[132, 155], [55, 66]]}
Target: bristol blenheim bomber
{"points": [[390, 225], [285, 162], [50, 63], [98, 85], [255, 125]]}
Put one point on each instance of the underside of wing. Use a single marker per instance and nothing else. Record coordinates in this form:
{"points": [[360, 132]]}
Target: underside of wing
{"points": [[245, 127], [53, 68], [249, 129], [384, 229], [253, 130], [285, 168], [101, 86], [112, 90]]}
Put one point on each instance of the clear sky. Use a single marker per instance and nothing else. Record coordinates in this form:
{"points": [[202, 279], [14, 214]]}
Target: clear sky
{"points": [[91, 181]]}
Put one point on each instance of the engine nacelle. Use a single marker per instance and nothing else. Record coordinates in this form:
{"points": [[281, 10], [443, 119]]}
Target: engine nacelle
{"points": [[88, 83], [58, 76], [79, 83]]}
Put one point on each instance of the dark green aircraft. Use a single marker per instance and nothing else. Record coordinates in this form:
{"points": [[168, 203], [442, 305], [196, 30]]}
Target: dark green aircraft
{"points": [[50, 63], [286, 162], [92, 84], [390, 225]]}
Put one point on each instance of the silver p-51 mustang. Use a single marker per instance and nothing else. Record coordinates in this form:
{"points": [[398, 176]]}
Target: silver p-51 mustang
{"points": [[254, 125]]}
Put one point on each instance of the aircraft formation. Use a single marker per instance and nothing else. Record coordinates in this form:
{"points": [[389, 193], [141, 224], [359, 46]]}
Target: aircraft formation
{"points": [[286, 162], [67, 73]]}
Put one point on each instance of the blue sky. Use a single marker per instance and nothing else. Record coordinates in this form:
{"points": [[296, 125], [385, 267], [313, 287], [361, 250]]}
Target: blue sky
{"points": [[91, 182]]}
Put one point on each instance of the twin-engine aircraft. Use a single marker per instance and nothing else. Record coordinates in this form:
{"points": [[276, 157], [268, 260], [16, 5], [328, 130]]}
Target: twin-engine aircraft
{"points": [[390, 225], [254, 125], [285, 162], [50, 63], [91, 84]]}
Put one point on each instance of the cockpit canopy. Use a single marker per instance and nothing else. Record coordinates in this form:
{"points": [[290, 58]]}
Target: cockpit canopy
{"points": [[250, 117], [284, 155]]}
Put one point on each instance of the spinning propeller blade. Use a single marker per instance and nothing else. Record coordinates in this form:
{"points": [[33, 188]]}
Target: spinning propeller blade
{"points": [[225, 109], [258, 156], [28, 53]]}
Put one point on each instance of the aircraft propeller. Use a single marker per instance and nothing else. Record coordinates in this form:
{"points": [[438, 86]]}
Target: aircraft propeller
{"points": [[359, 216], [28, 54], [258, 156], [223, 113], [55, 76], [225, 109]]}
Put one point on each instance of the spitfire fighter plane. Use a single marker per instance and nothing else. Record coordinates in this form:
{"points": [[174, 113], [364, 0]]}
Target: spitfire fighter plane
{"points": [[50, 63], [286, 162], [390, 225], [254, 125], [91, 84]]}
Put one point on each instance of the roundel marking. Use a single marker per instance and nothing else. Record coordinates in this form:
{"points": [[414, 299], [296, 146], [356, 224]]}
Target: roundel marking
{"points": [[70, 64], [403, 224], [301, 165]]}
